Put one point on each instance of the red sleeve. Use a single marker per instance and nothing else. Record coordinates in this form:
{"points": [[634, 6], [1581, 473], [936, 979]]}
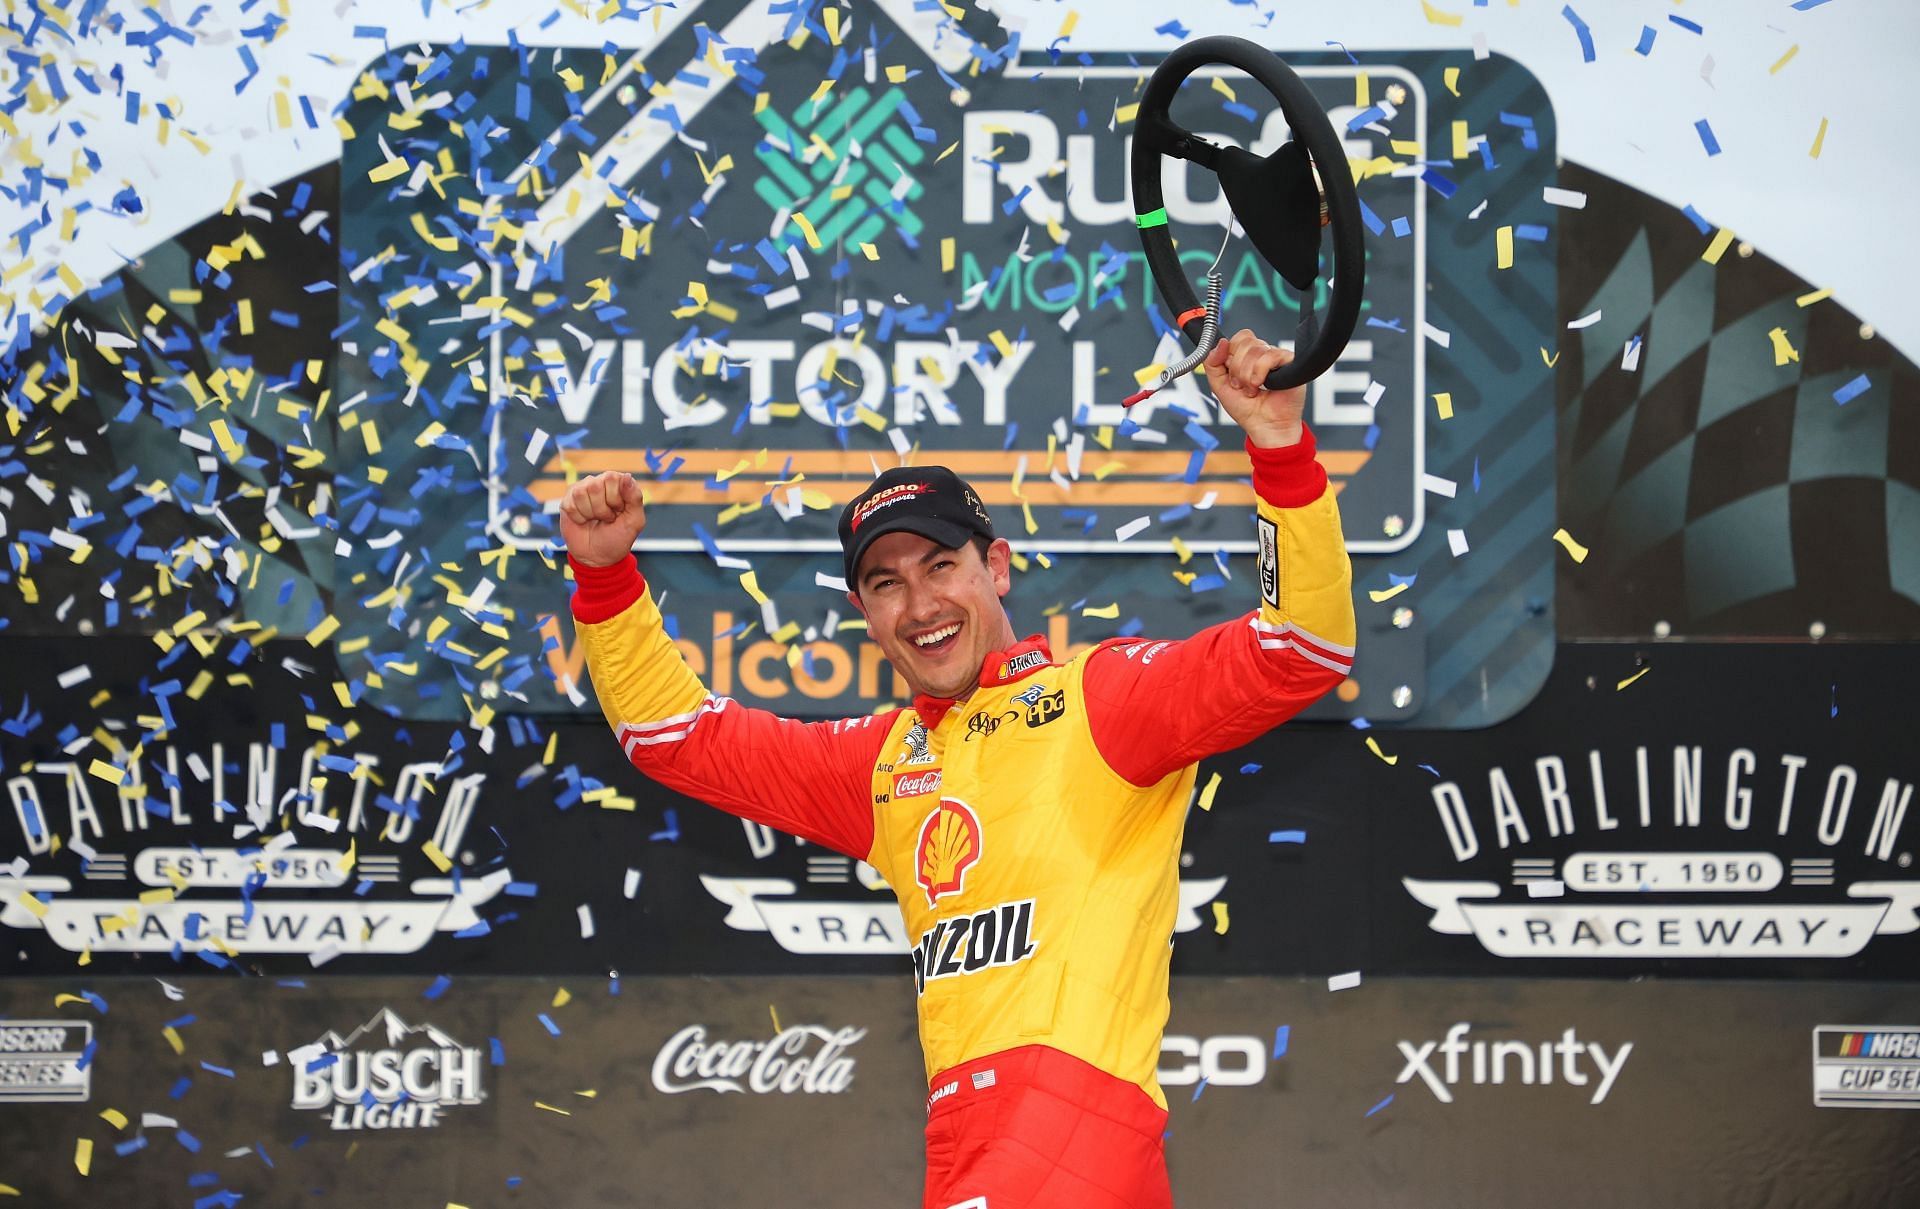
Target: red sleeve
{"points": [[1155, 707], [810, 779]]}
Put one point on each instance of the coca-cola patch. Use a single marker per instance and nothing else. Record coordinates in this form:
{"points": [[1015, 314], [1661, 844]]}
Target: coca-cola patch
{"points": [[913, 784]]}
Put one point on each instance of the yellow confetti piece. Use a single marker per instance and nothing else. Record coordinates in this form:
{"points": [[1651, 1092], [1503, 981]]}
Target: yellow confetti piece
{"points": [[1001, 342], [1460, 150], [1373, 745], [1819, 138], [1444, 401], [246, 316], [8, 1190], [33, 904], [806, 229], [562, 997], [550, 1108], [1221, 86], [750, 582], [83, 1155], [63, 999], [1551, 361], [775, 1013], [1436, 17], [1783, 350], [439, 858], [896, 74], [1572, 547], [1066, 26], [1182, 551], [869, 251], [1206, 795], [323, 631], [1451, 77], [1782, 60], [173, 1038], [1107, 612], [1382, 596], [107, 772], [1816, 296], [1126, 113], [1630, 679], [1503, 247], [387, 170], [1220, 918], [1722, 240], [114, 1117], [946, 255], [1362, 91]]}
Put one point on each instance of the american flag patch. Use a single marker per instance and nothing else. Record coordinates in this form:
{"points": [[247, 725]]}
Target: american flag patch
{"points": [[982, 1079]]}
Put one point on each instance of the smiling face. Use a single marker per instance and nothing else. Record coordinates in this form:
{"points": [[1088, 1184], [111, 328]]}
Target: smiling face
{"points": [[935, 611]]}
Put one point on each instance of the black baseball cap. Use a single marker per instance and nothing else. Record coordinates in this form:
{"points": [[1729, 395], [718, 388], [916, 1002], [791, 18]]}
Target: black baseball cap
{"points": [[932, 501]]}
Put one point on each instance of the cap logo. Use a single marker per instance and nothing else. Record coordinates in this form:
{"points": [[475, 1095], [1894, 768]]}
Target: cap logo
{"points": [[886, 495]]}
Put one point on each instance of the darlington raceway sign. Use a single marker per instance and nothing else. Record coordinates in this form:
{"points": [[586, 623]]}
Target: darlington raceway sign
{"points": [[903, 260]]}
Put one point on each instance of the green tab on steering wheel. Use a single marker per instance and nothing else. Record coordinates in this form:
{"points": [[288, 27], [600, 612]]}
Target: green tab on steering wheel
{"points": [[1283, 201]]}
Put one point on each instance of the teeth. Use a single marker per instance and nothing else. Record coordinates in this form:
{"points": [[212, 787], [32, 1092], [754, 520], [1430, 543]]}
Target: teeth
{"points": [[937, 635]]}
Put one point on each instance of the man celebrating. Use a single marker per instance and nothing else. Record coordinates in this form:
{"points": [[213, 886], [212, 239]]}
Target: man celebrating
{"points": [[1027, 814]]}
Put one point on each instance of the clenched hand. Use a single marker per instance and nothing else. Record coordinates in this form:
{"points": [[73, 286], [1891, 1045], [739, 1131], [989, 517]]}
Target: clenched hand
{"points": [[600, 516]]}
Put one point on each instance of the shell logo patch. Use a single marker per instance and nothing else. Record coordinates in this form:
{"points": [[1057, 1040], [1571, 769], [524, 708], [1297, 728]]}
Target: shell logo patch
{"points": [[949, 846]]}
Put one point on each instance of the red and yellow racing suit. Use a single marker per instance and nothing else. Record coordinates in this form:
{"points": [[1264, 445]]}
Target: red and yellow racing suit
{"points": [[1031, 831]]}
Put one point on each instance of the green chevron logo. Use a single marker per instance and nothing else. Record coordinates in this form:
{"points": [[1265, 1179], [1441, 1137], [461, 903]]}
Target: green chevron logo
{"points": [[841, 167]]}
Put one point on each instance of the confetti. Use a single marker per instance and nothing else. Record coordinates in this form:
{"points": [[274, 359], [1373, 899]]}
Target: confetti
{"points": [[1344, 982], [1381, 596], [1783, 350], [1572, 547], [1377, 1107], [1282, 1037], [1547, 888], [1220, 918], [1206, 795], [1819, 138], [1571, 199], [1707, 139], [1806, 300], [1286, 837], [1630, 679], [1503, 244], [1718, 248], [1580, 31], [1851, 391], [1437, 17], [1444, 402], [1373, 745]]}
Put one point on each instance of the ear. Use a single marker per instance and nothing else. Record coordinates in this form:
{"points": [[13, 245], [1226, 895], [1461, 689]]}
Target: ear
{"points": [[1000, 565], [853, 598]]}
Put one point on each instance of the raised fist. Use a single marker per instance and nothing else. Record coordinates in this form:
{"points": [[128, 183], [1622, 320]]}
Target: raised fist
{"points": [[600, 516]]}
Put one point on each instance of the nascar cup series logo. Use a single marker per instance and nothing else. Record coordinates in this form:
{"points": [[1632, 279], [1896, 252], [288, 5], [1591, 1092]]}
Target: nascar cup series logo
{"points": [[949, 846], [1671, 854], [386, 1074]]}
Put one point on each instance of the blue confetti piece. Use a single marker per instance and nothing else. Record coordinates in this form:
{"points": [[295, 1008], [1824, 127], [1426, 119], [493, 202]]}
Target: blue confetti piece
{"points": [[1532, 232], [1833, 709], [499, 1051], [1647, 33], [437, 988], [1247, 770], [1402, 228], [1358, 121], [1801, 6], [1286, 837], [1581, 31], [1851, 390], [1700, 224], [1439, 183], [1706, 137], [1372, 220], [1430, 769], [1281, 1036], [1377, 1107], [1198, 1090], [550, 1025], [1685, 24], [1173, 29], [217, 1070]]}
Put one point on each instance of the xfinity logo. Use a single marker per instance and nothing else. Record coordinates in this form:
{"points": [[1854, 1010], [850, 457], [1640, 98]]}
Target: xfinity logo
{"points": [[690, 1062], [1511, 1061]]}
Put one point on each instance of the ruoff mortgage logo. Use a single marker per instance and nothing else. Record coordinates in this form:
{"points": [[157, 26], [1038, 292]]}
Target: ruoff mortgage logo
{"points": [[386, 1075], [835, 905], [800, 1058], [1681, 852], [907, 261], [363, 868]]}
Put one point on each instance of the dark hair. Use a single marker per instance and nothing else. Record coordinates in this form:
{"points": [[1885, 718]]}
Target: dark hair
{"points": [[980, 546]]}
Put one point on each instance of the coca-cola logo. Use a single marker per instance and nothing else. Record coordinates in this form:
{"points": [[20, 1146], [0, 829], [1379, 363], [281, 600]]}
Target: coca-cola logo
{"points": [[913, 784], [786, 1063]]}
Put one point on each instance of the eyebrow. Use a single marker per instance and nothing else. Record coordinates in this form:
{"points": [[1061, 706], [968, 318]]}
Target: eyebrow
{"points": [[888, 569]]}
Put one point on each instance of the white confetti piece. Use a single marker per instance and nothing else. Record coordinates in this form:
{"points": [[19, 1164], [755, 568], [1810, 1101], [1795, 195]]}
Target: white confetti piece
{"points": [[270, 1058], [1374, 393], [1630, 355], [1070, 318], [1584, 321], [1572, 199], [1442, 338], [822, 580], [1438, 485], [1344, 982], [75, 675], [1551, 888], [535, 445], [586, 922], [632, 886], [1457, 541], [899, 440], [1132, 528]]}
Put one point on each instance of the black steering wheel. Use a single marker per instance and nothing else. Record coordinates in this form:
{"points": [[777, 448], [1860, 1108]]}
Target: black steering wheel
{"points": [[1281, 200]]}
